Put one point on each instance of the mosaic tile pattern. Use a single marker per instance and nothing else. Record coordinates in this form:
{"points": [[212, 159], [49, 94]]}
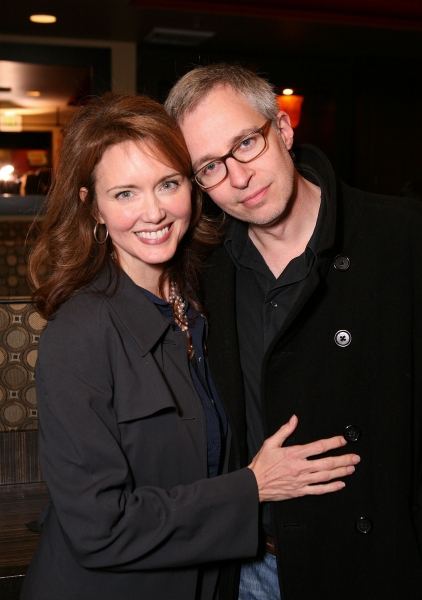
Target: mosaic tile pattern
{"points": [[16, 240], [20, 329]]}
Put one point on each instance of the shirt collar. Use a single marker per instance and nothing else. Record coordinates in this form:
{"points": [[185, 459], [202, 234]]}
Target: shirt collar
{"points": [[237, 237]]}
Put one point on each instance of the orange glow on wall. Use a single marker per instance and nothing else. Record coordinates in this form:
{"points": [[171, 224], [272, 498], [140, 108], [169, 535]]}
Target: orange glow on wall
{"points": [[292, 105]]}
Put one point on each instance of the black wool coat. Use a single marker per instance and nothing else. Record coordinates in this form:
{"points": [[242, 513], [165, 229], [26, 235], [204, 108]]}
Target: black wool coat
{"points": [[124, 455], [363, 542]]}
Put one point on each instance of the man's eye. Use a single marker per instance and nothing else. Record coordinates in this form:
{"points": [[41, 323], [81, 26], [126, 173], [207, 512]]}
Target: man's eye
{"points": [[246, 144], [213, 169], [209, 169]]}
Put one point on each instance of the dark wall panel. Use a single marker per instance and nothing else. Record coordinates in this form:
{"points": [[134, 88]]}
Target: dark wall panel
{"points": [[98, 59], [363, 112]]}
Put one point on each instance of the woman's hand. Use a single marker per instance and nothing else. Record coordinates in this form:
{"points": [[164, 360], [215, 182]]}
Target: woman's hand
{"points": [[284, 473]]}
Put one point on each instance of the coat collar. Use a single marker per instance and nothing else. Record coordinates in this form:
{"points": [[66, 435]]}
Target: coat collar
{"points": [[130, 305], [315, 166]]}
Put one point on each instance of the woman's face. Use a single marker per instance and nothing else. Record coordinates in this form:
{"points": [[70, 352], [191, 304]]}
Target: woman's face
{"points": [[146, 207]]}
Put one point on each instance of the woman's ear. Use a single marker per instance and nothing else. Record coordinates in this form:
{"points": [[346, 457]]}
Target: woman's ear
{"points": [[83, 193], [285, 129]]}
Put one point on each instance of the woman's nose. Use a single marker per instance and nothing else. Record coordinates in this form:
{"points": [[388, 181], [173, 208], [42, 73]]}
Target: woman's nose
{"points": [[151, 210]]}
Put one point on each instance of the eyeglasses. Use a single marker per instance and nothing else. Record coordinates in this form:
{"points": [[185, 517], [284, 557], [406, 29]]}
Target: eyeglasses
{"points": [[249, 148]]}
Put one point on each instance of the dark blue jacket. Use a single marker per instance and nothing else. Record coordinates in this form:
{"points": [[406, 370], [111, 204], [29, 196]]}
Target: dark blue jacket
{"points": [[124, 455]]}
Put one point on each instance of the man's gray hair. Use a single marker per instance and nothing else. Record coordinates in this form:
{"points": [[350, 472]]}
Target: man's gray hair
{"points": [[193, 87]]}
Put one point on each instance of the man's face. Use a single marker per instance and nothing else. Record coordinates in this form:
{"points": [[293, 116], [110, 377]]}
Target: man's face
{"points": [[257, 192]]}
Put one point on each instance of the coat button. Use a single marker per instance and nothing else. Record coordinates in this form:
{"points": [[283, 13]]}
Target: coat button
{"points": [[342, 338], [341, 263], [351, 433], [364, 525]]}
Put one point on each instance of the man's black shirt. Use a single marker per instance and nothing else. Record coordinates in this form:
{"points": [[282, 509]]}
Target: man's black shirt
{"points": [[263, 303]]}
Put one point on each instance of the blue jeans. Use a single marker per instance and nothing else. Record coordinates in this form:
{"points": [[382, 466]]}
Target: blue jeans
{"points": [[259, 579]]}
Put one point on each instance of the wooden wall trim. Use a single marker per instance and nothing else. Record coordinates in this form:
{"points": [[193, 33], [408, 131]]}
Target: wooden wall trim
{"points": [[19, 457]]}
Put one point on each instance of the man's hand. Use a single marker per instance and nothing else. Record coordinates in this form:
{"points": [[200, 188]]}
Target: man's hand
{"points": [[284, 473]]}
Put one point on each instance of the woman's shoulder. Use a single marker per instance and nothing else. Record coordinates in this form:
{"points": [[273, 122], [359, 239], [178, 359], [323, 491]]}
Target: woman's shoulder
{"points": [[82, 316], [75, 344], [86, 306], [81, 303]]}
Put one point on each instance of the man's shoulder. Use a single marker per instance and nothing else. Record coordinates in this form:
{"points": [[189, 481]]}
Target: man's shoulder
{"points": [[310, 158], [219, 268], [217, 256], [386, 207]]}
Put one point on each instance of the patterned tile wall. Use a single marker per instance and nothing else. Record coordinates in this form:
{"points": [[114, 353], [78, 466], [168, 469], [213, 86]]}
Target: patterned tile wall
{"points": [[16, 239], [20, 329]]}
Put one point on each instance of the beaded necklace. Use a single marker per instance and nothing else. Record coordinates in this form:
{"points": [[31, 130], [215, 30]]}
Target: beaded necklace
{"points": [[178, 307]]}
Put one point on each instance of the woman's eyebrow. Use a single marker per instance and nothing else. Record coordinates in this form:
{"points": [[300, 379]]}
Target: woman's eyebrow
{"points": [[133, 186], [121, 186]]}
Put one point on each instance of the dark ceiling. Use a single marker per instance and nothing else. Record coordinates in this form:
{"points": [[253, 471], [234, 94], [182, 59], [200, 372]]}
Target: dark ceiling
{"points": [[296, 27], [355, 57], [333, 29]]}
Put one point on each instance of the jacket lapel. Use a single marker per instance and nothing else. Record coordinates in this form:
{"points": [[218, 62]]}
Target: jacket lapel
{"points": [[135, 311], [223, 349]]}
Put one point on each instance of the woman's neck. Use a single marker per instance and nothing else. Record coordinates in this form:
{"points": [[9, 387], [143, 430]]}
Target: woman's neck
{"points": [[148, 278]]}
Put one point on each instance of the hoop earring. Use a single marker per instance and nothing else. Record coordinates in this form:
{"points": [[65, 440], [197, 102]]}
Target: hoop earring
{"points": [[95, 234]]}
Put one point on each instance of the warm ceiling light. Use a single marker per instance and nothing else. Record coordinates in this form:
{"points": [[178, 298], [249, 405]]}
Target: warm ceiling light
{"points": [[34, 93], [291, 104], [5, 172], [287, 92], [43, 18]]}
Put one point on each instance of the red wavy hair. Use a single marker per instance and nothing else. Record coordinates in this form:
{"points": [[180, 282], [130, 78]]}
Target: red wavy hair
{"points": [[66, 257]]}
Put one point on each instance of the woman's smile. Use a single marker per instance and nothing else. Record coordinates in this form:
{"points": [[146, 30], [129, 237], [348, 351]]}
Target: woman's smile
{"points": [[145, 205], [154, 236]]}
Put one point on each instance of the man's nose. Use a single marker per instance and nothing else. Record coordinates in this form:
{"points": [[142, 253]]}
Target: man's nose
{"points": [[239, 174]]}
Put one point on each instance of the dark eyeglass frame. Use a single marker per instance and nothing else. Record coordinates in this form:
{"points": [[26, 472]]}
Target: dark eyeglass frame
{"points": [[262, 131]]}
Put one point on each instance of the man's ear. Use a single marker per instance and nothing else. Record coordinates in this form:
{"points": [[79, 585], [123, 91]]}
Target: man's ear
{"points": [[286, 130]]}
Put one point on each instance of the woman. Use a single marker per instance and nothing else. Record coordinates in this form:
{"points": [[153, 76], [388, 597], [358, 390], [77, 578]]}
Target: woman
{"points": [[131, 429]]}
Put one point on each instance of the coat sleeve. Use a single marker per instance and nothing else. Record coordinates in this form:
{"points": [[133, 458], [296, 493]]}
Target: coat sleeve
{"points": [[106, 522]]}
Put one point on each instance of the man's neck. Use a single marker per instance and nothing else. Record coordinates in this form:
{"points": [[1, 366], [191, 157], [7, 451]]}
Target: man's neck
{"points": [[288, 237]]}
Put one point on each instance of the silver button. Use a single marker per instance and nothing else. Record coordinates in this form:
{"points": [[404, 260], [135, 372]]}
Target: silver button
{"points": [[342, 338], [274, 304]]}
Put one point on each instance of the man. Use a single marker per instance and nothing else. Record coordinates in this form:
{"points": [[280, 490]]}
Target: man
{"points": [[316, 294]]}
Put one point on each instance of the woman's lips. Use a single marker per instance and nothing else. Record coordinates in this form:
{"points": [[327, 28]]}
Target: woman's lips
{"points": [[158, 236]]}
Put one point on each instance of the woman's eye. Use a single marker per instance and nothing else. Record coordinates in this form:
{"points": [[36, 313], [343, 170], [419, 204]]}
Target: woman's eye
{"points": [[170, 185], [124, 195]]}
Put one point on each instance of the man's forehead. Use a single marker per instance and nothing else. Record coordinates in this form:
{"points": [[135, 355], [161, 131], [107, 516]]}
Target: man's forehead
{"points": [[217, 123], [222, 97], [220, 92]]}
